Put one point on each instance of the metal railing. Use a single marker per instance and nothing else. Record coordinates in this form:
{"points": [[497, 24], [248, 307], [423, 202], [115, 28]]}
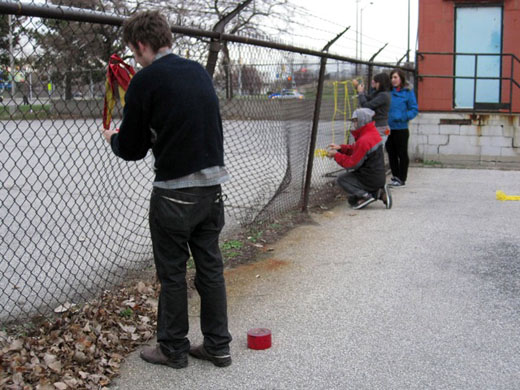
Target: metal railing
{"points": [[74, 217], [505, 103]]}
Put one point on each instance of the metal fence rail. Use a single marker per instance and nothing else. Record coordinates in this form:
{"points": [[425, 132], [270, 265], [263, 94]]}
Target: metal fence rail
{"points": [[74, 217]]}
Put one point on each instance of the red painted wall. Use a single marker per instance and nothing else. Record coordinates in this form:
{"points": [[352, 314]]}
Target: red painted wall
{"points": [[436, 34], [511, 45]]}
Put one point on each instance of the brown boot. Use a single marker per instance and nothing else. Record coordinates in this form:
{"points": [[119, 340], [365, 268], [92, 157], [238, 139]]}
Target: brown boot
{"points": [[218, 360], [155, 355]]}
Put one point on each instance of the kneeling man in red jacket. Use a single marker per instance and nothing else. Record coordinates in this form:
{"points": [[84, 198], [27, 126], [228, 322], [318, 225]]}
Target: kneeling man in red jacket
{"points": [[364, 179]]}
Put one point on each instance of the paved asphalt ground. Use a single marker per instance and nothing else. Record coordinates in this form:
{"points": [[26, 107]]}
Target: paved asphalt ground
{"points": [[423, 296]]}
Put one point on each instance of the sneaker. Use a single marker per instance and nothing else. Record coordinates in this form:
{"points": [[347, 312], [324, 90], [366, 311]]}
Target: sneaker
{"points": [[218, 360], [363, 202], [397, 183], [386, 196], [352, 200], [155, 355]]}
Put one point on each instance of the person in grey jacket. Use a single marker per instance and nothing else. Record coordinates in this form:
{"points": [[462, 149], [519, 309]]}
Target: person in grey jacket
{"points": [[378, 101]]}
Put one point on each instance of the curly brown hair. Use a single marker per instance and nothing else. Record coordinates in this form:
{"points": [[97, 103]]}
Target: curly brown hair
{"points": [[148, 27]]}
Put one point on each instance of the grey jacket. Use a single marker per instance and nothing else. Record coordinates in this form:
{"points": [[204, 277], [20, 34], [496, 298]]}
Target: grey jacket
{"points": [[380, 103]]}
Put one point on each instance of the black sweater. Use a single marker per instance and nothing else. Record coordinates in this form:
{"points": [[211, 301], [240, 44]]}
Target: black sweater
{"points": [[171, 107], [379, 102]]}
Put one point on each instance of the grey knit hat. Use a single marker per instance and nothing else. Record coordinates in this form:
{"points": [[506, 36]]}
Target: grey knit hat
{"points": [[363, 116]]}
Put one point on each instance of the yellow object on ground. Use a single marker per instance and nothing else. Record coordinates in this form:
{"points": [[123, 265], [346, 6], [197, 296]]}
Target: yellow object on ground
{"points": [[502, 196]]}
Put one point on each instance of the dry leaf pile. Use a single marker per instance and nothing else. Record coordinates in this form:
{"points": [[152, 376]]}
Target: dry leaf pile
{"points": [[83, 347]]}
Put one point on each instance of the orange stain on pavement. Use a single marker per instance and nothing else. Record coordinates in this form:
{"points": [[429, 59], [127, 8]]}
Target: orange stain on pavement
{"points": [[239, 280]]}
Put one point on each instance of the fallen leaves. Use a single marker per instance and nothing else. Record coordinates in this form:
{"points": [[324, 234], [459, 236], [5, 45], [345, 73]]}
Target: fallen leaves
{"points": [[84, 347]]}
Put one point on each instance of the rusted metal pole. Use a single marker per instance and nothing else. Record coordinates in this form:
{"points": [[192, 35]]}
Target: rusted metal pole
{"points": [[314, 134], [315, 121], [370, 66]]}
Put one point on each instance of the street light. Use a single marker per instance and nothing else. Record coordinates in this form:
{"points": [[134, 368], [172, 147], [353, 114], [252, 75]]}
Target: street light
{"points": [[361, 31], [357, 29], [408, 42]]}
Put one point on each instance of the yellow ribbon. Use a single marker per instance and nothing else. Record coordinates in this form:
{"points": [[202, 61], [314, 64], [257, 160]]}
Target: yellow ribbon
{"points": [[320, 153], [502, 196]]}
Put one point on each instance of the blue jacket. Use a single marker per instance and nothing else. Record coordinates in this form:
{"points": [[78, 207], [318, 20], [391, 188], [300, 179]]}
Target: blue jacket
{"points": [[403, 108]]}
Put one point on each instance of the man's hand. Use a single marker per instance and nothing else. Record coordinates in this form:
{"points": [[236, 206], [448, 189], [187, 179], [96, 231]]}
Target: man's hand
{"points": [[108, 134], [332, 150], [331, 153]]}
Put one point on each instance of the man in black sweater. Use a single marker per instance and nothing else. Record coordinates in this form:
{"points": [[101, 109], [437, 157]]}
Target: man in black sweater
{"points": [[171, 108]]}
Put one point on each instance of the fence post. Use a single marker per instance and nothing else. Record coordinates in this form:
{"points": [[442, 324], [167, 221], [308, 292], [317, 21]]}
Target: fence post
{"points": [[416, 76], [314, 133], [316, 120], [371, 66]]}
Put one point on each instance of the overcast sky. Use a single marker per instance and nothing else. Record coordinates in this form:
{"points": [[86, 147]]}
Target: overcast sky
{"points": [[383, 21]]}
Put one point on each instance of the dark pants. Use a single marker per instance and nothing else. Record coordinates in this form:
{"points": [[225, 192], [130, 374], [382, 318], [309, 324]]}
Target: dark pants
{"points": [[184, 220], [397, 148], [354, 188]]}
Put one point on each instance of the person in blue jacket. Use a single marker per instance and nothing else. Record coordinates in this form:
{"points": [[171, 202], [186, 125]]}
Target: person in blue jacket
{"points": [[403, 108]]}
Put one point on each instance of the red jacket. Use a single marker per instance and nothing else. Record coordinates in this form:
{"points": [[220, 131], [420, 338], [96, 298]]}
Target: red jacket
{"points": [[364, 157]]}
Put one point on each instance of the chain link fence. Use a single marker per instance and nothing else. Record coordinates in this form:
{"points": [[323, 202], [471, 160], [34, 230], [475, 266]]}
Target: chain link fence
{"points": [[74, 218]]}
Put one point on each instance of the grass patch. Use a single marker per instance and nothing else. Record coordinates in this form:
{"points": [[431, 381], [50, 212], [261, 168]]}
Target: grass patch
{"points": [[255, 236], [231, 248], [126, 313], [33, 111], [431, 162]]}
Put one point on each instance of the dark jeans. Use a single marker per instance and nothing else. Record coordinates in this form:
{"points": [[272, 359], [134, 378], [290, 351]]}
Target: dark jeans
{"points": [[353, 187], [397, 148], [184, 220]]}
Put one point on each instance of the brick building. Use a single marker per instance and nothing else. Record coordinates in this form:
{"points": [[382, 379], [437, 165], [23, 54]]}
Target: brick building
{"points": [[468, 83]]}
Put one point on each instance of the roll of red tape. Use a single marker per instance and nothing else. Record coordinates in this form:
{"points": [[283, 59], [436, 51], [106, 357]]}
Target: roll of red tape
{"points": [[259, 338]]}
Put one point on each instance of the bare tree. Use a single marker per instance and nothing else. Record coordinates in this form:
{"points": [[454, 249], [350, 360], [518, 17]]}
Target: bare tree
{"points": [[74, 50], [5, 30], [264, 19], [251, 80], [70, 47]]}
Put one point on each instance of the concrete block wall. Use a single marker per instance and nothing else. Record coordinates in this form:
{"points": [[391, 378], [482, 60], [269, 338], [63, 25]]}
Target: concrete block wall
{"points": [[466, 139]]}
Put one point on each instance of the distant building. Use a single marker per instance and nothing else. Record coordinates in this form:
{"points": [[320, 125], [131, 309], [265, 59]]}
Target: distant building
{"points": [[468, 82]]}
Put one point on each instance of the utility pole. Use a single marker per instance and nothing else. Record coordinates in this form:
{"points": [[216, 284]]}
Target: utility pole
{"points": [[361, 30], [357, 29], [11, 56], [408, 46]]}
